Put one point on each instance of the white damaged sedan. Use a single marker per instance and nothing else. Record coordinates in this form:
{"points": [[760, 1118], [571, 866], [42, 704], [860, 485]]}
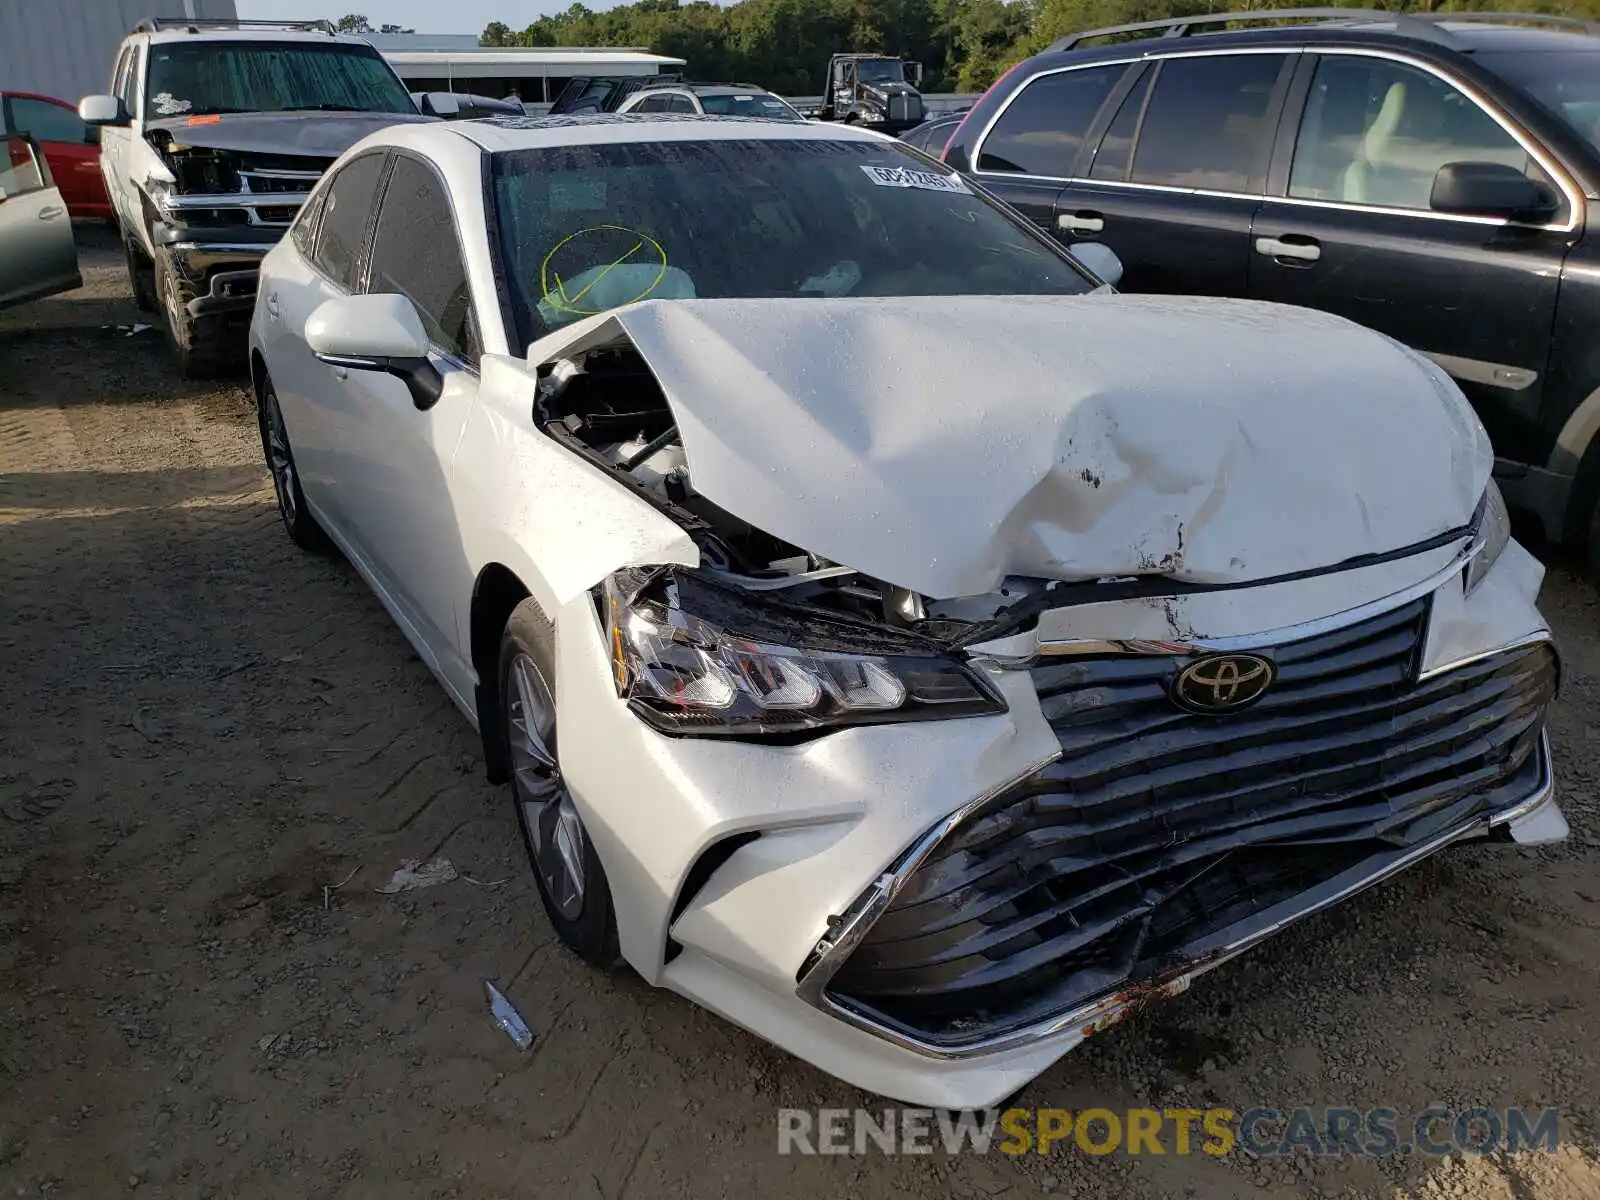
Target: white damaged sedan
{"points": [[897, 641]]}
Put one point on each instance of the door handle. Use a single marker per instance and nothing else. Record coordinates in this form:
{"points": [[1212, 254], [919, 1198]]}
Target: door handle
{"points": [[1081, 222], [340, 372], [51, 213], [1306, 251], [272, 306]]}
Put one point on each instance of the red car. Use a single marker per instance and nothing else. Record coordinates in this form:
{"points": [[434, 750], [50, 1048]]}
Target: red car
{"points": [[70, 147]]}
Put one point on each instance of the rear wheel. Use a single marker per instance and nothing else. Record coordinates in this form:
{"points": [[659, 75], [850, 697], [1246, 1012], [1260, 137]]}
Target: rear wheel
{"points": [[141, 277], [572, 883]]}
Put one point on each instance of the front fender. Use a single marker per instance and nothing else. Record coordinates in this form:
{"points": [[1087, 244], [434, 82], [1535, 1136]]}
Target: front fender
{"points": [[559, 523]]}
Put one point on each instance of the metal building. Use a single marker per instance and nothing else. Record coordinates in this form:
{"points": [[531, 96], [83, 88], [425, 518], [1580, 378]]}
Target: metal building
{"points": [[64, 48]]}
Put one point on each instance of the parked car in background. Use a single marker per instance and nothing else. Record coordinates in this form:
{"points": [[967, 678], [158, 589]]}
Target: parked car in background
{"points": [[930, 137], [896, 641], [71, 147], [714, 99], [212, 135], [38, 256], [1429, 176]]}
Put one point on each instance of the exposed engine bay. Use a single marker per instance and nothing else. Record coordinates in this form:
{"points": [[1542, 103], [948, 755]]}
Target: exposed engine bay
{"points": [[607, 404]]}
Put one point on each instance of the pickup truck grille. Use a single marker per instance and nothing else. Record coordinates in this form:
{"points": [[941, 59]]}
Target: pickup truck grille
{"points": [[1157, 830], [261, 196]]}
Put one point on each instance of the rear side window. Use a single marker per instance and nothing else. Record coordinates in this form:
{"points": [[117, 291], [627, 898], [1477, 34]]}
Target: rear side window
{"points": [[1209, 123], [46, 122], [352, 195], [651, 104], [1042, 129], [415, 253], [1115, 155]]}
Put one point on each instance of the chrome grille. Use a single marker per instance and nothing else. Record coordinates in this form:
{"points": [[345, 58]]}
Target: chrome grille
{"points": [[1158, 829]]}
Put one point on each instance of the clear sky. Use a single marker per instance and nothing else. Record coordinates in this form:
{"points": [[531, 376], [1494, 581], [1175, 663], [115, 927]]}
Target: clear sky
{"points": [[425, 16]]}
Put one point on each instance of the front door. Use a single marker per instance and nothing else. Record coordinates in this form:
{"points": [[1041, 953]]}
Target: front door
{"points": [[38, 256], [1354, 234], [402, 498]]}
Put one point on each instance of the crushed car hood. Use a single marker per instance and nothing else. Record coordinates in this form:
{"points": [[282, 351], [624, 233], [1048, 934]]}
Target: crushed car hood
{"points": [[314, 134], [943, 443]]}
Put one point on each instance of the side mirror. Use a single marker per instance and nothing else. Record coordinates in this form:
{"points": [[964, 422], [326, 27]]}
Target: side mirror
{"points": [[380, 333], [1100, 259], [440, 104], [96, 111], [1485, 189], [914, 74]]}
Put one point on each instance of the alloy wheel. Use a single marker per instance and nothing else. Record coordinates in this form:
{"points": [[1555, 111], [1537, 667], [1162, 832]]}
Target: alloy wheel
{"points": [[550, 820], [279, 461]]}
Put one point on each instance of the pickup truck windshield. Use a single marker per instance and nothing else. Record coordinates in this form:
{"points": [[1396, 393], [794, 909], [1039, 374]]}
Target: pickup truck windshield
{"points": [[587, 228], [193, 79], [881, 70], [1567, 82]]}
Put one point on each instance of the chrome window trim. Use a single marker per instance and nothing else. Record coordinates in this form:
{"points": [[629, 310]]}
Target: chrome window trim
{"points": [[1100, 1014], [1572, 193]]}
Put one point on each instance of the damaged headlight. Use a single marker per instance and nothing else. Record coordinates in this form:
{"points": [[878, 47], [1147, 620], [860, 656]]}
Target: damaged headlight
{"points": [[690, 674], [1494, 531]]}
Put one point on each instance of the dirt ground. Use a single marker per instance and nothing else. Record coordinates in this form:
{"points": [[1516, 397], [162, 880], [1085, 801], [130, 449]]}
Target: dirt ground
{"points": [[204, 730]]}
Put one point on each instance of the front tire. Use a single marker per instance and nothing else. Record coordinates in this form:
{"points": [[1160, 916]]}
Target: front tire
{"points": [[572, 883], [298, 522], [195, 348]]}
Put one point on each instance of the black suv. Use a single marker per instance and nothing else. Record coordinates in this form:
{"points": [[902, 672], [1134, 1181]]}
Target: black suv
{"points": [[1429, 177]]}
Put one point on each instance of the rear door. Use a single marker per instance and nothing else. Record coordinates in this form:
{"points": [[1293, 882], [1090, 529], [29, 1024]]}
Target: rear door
{"points": [[1349, 230], [1032, 148], [38, 256], [1174, 182], [74, 155]]}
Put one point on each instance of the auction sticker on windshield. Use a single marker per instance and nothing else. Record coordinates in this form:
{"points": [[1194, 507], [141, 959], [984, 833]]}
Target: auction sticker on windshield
{"points": [[909, 177]]}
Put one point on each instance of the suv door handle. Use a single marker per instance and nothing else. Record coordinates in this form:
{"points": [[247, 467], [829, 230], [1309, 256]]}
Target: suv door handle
{"points": [[1303, 249], [272, 306], [1082, 221]]}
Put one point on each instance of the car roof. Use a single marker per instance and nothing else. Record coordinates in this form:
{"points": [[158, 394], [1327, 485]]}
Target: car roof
{"points": [[165, 36], [500, 134], [726, 89], [1464, 37]]}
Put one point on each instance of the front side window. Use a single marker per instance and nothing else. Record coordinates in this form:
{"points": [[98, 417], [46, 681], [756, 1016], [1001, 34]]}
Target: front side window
{"points": [[416, 254], [20, 172], [680, 104], [1042, 129], [195, 79], [1567, 82], [584, 229], [47, 122], [352, 195], [1208, 124], [1376, 132], [128, 86]]}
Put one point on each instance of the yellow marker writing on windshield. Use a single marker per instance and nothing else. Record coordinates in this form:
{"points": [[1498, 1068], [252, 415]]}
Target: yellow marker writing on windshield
{"points": [[558, 293]]}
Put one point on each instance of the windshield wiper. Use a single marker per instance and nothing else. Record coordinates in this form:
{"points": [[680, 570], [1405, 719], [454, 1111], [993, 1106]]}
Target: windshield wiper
{"points": [[323, 108]]}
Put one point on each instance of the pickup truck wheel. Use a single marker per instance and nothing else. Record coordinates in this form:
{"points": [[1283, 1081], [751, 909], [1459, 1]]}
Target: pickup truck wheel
{"points": [[572, 883], [141, 277], [298, 522], [194, 347]]}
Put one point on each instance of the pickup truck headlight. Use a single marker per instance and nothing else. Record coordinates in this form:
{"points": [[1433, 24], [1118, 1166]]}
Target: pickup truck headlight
{"points": [[686, 675], [1494, 531]]}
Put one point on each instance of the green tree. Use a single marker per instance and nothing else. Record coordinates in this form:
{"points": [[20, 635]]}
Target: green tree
{"points": [[353, 23]]}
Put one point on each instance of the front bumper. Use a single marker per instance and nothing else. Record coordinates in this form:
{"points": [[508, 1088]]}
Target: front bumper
{"points": [[221, 265], [825, 837]]}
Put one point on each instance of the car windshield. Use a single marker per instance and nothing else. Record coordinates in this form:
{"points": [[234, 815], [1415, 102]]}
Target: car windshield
{"points": [[584, 229], [1565, 81], [749, 104], [192, 79], [882, 70]]}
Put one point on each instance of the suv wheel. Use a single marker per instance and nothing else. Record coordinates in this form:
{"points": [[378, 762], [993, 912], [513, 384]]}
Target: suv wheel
{"points": [[141, 277], [298, 522], [194, 345]]}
